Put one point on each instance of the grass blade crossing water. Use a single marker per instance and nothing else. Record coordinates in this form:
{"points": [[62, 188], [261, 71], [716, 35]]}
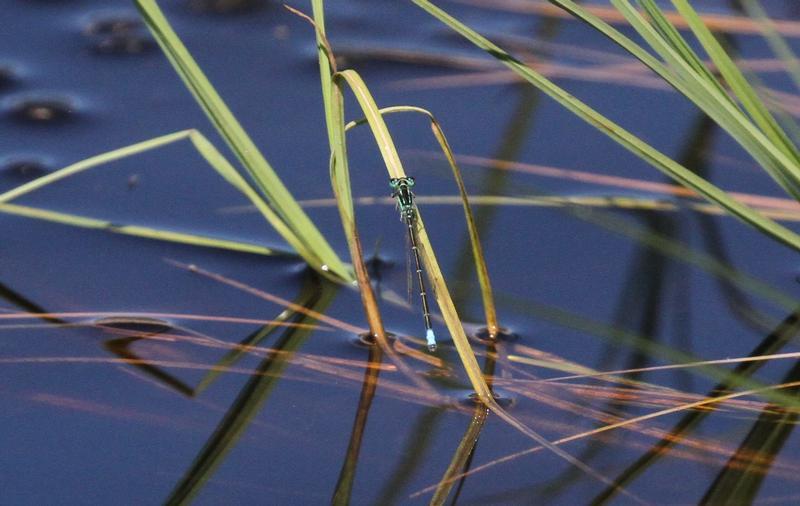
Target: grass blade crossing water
{"points": [[292, 222], [619, 134]]}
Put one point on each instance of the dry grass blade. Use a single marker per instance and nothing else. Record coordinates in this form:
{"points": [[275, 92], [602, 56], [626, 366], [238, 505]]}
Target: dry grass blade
{"points": [[489, 307], [436, 278]]}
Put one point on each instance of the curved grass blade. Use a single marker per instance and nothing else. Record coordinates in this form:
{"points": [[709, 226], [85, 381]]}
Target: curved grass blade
{"points": [[435, 276], [313, 246], [395, 169], [737, 81], [479, 259], [701, 88]]}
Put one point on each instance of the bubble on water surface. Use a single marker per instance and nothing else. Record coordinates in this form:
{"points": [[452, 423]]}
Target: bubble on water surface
{"points": [[41, 109]]}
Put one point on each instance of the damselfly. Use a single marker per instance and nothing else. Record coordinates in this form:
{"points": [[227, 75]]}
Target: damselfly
{"points": [[401, 190]]}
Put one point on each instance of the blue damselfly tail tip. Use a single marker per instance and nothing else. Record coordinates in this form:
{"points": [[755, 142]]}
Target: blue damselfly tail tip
{"points": [[431, 338]]}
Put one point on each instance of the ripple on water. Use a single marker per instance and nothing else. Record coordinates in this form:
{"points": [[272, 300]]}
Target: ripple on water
{"points": [[137, 325], [503, 334], [40, 109], [23, 168], [118, 34], [226, 6], [504, 399], [7, 77]]}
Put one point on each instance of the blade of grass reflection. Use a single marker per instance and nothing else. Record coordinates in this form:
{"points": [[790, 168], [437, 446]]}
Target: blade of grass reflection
{"points": [[22, 302], [462, 458], [316, 294], [718, 22], [120, 348], [708, 401], [347, 475], [640, 301], [236, 353], [674, 249], [624, 337], [774, 341], [741, 478], [347, 327], [419, 441]]}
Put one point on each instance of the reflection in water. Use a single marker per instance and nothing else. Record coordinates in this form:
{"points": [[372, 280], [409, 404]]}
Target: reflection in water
{"points": [[347, 475], [741, 478], [315, 294], [773, 342], [462, 458], [143, 329]]}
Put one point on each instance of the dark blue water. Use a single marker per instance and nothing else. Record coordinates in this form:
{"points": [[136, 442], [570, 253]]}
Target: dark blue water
{"points": [[82, 426]]}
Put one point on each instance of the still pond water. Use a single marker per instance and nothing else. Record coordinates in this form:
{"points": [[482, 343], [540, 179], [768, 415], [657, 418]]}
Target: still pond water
{"points": [[128, 388]]}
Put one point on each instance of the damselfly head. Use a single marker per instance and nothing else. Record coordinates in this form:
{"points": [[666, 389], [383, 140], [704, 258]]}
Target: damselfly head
{"points": [[397, 182]]}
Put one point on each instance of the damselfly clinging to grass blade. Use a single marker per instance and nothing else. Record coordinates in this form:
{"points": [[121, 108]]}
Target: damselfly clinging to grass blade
{"points": [[401, 190]]}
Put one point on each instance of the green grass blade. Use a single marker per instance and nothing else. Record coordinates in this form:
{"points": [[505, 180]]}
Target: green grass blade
{"points": [[620, 135], [94, 161], [779, 46], [673, 37], [738, 83], [134, 230], [705, 91], [316, 251], [204, 148]]}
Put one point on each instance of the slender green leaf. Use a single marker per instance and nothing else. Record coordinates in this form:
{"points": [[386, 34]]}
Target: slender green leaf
{"points": [[617, 133], [315, 249], [134, 230]]}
